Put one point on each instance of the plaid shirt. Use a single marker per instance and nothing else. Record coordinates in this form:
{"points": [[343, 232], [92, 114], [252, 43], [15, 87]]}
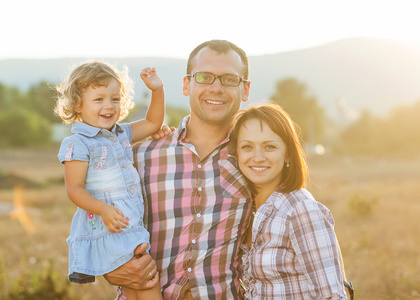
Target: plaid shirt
{"points": [[295, 253], [196, 211]]}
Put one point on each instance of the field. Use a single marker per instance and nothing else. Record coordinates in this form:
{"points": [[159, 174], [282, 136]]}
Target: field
{"points": [[375, 203]]}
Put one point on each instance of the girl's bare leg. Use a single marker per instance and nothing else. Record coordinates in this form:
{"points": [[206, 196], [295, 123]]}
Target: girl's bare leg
{"points": [[130, 294], [152, 294]]}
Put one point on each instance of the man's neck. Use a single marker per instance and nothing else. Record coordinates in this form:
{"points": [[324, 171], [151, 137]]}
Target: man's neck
{"points": [[206, 137]]}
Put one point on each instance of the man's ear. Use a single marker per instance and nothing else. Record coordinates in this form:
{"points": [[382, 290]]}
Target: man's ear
{"points": [[186, 86], [245, 95]]}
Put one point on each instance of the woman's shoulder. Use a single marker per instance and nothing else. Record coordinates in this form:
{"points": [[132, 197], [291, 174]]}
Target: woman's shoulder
{"points": [[295, 197], [299, 200]]}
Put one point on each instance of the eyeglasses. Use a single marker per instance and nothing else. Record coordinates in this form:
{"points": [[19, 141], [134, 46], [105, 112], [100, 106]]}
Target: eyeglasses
{"points": [[209, 78]]}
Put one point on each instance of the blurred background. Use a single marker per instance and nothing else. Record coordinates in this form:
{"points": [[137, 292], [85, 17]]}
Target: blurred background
{"points": [[347, 72]]}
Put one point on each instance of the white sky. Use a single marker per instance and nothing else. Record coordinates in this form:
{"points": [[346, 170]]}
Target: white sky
{"points": [[172, 28]]}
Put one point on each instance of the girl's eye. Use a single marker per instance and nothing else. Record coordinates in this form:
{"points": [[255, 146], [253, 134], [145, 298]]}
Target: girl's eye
{"points": [[116, 99], [98, 100]]}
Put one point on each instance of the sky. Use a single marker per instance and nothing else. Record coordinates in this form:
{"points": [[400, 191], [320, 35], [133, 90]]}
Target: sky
{"points": [[172, 28]]}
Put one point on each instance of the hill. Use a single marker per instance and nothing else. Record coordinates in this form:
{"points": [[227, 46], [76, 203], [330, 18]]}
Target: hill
{"points": [[371, 74]]}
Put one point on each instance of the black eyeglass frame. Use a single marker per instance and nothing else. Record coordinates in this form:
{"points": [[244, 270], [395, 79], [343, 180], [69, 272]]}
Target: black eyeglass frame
{"points": [[217, 76]]}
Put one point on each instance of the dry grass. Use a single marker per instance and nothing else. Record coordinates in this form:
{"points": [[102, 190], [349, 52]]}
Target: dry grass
{"points": [[375, 202]]}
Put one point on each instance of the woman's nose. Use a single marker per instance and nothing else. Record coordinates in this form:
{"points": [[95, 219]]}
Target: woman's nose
{"points": [[259, 155]]}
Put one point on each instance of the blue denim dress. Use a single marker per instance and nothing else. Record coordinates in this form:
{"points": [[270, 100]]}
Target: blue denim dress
{"points": [[112, 178]]}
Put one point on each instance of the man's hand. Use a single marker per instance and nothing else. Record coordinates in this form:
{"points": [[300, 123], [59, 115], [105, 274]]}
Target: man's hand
{"points": [[135, 274]]}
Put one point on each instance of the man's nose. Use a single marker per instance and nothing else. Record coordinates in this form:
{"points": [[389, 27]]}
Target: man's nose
{"points": [[216, 85]]}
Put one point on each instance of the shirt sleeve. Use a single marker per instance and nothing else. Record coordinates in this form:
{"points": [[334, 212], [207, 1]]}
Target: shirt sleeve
{"points": [[73, 148], [315, 243]]}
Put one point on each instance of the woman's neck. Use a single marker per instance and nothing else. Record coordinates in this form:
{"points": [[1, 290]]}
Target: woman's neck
{"points": [[261, 196]]}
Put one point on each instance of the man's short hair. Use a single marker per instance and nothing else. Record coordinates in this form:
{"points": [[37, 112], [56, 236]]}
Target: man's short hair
{"points": [[220, 46]]}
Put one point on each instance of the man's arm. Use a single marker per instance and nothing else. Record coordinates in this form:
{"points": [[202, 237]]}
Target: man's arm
{"points": [[135, 274]]}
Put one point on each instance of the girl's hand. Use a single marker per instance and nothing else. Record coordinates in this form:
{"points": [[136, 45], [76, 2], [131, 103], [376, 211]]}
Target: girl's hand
{"points": [[113, 218], [151, 79]]}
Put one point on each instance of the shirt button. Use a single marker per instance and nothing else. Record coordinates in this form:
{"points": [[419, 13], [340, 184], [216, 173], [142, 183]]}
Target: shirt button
{"points": [[200, 189], [198, 215], [124, 165], [193, 241], [132, 191], [199, 166], [189, 269], [114, 139]]}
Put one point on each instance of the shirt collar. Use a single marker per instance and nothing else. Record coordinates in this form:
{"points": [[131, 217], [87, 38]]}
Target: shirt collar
{"points": [[90, 131], [182, 129]]}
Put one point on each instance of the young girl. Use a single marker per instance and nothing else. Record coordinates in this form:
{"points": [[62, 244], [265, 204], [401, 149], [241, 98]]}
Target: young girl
{"points": [[99, 173]]}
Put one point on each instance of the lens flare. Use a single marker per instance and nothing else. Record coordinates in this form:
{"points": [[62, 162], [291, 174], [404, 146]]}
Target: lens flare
{"points": [[19, 211]]}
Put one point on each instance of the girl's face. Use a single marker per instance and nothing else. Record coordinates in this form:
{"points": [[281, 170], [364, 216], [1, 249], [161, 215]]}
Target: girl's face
{"points": [[101, 105], [261, 154]]}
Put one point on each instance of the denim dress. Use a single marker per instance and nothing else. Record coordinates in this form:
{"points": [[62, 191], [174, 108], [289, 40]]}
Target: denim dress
{"points": [[112, 178]]}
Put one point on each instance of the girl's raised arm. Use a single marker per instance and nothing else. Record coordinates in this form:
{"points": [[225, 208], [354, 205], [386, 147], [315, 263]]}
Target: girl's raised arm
{"points": [[156, 112]]}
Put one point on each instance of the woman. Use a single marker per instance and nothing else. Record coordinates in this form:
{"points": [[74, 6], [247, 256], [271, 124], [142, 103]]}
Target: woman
{"points": [[291, 250]]}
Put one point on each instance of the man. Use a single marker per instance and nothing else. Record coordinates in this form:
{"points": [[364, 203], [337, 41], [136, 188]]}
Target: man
{"points": [[196, 204]]}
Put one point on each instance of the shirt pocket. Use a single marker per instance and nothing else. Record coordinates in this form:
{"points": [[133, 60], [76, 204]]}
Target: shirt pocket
{"points": [[232, 182], [128, 150], [101, 157]]}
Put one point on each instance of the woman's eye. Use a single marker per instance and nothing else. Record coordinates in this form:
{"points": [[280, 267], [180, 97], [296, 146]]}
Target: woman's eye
{"points": [[270, 147], [246, 147]]}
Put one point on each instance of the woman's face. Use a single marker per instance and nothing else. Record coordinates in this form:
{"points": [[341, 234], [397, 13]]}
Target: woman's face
{"points": [[261, 154]]}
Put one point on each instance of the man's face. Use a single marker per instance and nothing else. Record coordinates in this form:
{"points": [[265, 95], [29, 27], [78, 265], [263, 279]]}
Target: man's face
{"points": [[214, 103]]}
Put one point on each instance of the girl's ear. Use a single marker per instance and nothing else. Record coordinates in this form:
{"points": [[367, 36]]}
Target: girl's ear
{"points": [[78, 108], [78, 111]]}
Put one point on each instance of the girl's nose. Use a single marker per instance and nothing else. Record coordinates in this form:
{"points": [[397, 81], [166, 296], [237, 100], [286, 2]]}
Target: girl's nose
{"points": [[108, 104]]}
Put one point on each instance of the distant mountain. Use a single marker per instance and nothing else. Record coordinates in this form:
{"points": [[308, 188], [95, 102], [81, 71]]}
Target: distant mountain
{"points": [[372, 74]]}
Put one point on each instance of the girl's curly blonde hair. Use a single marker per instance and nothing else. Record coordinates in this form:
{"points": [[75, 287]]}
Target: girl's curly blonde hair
{"points": [[94, 74]]}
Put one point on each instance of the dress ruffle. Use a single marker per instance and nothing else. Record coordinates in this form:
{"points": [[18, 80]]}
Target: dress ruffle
{"points": [[96, 253]]}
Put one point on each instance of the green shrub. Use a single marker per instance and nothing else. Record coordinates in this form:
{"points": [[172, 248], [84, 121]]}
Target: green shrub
{"points": [[2, 278], [40, 286], [361, 206], [21, 127]]}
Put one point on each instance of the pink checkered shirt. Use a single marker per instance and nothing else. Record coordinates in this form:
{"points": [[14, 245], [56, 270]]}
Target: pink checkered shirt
{"points": [[196, 211], [295, 252]]}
